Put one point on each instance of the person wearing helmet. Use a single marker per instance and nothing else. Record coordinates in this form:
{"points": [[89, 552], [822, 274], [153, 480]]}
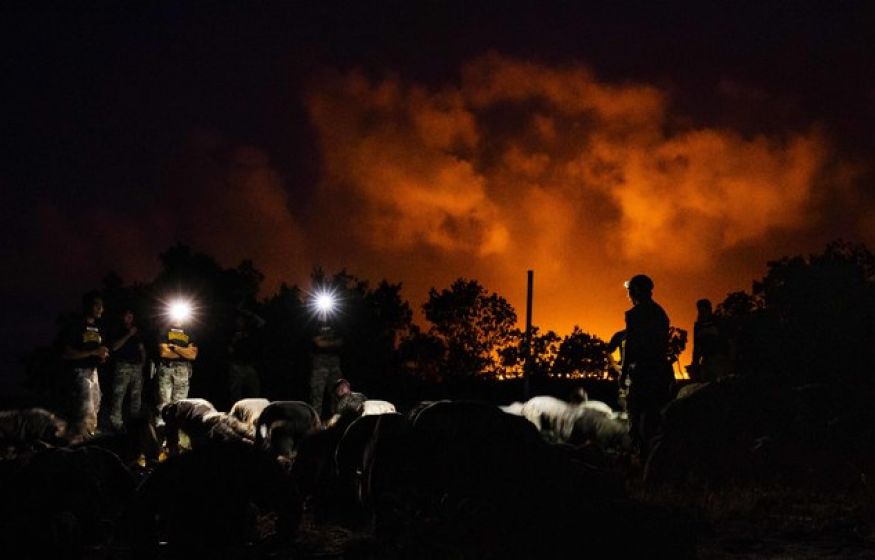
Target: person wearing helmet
{"points": [[645, 362]]}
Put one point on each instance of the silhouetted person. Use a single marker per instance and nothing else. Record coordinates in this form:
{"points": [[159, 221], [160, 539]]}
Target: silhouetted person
{"points": [[646, 361], [345, 403], [129, 355], [710, 349], [326, 366], [244, 349], [84, 351], [618, 342], [177, 352]]}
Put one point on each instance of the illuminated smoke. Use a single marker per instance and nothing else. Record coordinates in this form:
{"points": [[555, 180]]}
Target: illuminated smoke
{"points": [[521, 165], [516, 165]]}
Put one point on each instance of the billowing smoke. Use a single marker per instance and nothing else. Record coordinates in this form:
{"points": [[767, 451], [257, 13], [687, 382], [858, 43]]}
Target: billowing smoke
{"points": [[516, 165], [521, 165]]}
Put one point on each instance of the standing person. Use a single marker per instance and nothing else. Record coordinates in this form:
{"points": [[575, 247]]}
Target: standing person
{"points": [[618, 342], [244, 350], [710, 350], [177, 351], [84, 351], [129, 355], [645, 362], [326, 366]]}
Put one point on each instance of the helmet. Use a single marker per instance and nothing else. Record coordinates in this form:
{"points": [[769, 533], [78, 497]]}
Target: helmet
{"points": [[639, 283]]}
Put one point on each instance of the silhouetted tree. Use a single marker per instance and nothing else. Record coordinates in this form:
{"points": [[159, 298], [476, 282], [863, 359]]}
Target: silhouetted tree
{"points": [[581, 354], [475, 327], [751, 331], [545, 348], [372, 321], [286, 344], [422, 355], [809, 318]]}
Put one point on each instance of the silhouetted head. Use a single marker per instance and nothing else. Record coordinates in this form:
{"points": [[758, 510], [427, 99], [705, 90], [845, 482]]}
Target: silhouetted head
{"points": [[704, 308], [92, 305], [128, 318], [640, 288]]}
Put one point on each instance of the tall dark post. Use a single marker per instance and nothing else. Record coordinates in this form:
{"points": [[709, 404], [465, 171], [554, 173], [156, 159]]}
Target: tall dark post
{"points": [[527, 366]]}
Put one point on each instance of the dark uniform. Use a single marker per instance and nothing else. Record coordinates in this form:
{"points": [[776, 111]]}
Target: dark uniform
{"points": [[127, 379], [86, 394], [710, 350], [646, 364], [174, 373], [326, 367]]}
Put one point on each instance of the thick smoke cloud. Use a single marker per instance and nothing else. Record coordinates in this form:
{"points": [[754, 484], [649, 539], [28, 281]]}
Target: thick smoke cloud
{"points": [[517, 165], [393, 150], [521, 165]]}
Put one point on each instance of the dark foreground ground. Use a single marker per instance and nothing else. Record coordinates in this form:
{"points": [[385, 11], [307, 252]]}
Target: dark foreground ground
{"points": [[738, 474], [755, 523], [773, 522], [750, 524], [732, 523]]}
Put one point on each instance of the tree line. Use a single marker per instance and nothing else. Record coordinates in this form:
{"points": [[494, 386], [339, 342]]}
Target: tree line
{"points": [[808, 319], [471, 333]]}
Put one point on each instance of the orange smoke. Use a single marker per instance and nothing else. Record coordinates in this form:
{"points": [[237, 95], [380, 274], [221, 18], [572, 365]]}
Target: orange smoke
{"points": [[521, 165], [516, 166]]}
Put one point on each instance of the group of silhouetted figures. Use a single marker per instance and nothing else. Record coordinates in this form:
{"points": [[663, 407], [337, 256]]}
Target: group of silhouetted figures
{"points": [[432, 479], [140, 380]]}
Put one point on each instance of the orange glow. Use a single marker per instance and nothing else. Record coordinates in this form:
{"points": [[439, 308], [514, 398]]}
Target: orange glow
{"points": [[581, 184], [516, 166]]}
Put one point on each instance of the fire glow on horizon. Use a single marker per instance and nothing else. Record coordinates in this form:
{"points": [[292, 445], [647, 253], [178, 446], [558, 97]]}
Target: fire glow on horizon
{"points": [[517, 165]]}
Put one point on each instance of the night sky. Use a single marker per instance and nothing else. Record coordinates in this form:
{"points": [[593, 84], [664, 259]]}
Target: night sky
{"points": [[423, 141]]}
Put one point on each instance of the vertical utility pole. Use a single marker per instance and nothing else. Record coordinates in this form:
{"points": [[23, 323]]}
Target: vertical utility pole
{"points": [[527, 364]]}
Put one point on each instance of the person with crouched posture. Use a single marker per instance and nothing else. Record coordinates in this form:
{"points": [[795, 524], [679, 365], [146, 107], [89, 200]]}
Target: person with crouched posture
{"points": [[248, 411], [202, 423], [282, 425], [31, 427]]}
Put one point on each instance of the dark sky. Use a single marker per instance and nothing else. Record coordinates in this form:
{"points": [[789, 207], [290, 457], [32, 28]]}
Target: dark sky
{"points": [[422, 141]]}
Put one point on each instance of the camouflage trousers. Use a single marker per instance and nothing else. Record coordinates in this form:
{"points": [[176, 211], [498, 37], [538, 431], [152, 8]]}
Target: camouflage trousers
{"points": [[172, 379], [326, 370], [86, 400], [127, 381], [243, 381]]}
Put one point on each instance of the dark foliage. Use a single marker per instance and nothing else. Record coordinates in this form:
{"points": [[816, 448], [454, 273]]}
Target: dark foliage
{"points": [[581, 354], [808, 319], [474, 327]]}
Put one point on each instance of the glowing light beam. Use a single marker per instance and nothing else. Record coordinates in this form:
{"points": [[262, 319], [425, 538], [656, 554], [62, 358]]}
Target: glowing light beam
{"points": [[180, 311], [324, 303]]}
